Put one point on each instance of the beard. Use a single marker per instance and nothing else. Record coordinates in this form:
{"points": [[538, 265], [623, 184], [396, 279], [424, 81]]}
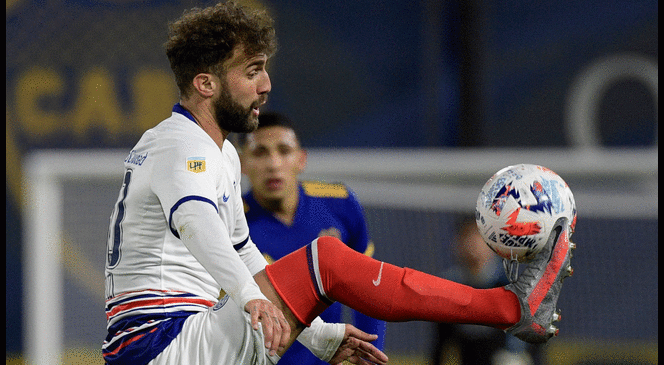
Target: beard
{"points": [[233, 117]]}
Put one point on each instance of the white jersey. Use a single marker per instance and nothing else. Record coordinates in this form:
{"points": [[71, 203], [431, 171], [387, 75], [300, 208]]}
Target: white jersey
{"points": [[177, 236]]}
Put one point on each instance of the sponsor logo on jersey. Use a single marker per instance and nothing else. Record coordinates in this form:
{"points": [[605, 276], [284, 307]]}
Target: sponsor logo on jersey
{"points": [[196, 164]]}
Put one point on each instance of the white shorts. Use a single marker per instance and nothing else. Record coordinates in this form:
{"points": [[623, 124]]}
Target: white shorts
{"points": [[221, 335]]}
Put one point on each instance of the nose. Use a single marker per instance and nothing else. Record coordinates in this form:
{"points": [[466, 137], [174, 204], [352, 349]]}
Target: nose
{"points": [[264, 86], [274, 160]]}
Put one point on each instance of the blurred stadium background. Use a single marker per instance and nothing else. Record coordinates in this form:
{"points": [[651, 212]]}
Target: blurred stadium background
{"points": [[434, 81]]}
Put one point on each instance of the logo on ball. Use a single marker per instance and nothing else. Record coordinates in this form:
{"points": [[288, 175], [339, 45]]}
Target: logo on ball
{"points": [[517, 208]]}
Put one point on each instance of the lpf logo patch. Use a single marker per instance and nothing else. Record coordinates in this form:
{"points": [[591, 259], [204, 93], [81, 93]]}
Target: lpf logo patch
{"points": [[196, 164]]}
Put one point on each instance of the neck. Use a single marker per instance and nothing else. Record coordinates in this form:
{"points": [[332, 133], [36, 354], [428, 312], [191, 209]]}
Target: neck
{"points": [[201, 110], [283, 209]]}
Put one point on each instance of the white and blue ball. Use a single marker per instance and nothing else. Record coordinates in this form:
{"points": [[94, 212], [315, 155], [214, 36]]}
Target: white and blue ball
{"points": [[519, 206]]}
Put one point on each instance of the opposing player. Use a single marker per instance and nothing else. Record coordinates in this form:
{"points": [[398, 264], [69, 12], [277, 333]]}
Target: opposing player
{"points": [[285, 214], [178, 235]]}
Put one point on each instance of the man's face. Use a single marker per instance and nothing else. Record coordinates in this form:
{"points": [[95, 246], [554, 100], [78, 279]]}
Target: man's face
{"points": [[272, 160], [245, 87]]}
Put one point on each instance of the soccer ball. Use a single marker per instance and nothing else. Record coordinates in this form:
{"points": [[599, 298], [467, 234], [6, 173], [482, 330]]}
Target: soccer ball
{"points": [[518, 208]]}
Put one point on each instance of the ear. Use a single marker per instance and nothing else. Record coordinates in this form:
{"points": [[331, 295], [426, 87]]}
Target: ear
{"points": [[205, 84]]}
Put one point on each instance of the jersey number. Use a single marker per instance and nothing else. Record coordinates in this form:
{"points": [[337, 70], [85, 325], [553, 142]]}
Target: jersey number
{"points": [[115, 230]]}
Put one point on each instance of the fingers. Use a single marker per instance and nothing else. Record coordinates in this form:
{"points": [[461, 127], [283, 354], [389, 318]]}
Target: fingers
{"points": [[273, 332], [372, 353], [357, 350], [285, 330], [254, 317], [276, 329], [352, 331], [363, 352]]}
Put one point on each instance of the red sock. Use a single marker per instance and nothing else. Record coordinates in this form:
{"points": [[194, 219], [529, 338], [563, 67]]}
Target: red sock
{"points": [[313, 277]]}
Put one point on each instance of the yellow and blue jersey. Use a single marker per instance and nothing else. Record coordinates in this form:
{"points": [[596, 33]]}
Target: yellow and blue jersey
{"points": [[323, 210]]}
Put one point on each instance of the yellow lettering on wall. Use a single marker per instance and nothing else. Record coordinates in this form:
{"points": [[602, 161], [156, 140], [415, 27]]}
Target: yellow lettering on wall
{"points": [[96, 104], [33, 85], [154, 93]]}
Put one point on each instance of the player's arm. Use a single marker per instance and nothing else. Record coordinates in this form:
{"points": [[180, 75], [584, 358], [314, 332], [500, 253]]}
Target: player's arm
{"points": [[337, 342], [204, 233], [370, 325], [252, 257], [356, 348], [188, 201], [246, 248], [322, 339], [333, 343]]}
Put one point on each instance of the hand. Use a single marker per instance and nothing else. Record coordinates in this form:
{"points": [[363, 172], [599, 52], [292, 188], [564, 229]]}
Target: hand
{"points": [[275, 327], [356, 349]]}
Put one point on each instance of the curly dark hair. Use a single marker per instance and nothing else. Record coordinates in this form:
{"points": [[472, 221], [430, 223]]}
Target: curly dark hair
{"points": [[202, 39]]}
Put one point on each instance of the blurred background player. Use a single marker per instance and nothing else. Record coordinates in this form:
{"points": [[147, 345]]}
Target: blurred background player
{"points": [[285, 214], [466, 344]]}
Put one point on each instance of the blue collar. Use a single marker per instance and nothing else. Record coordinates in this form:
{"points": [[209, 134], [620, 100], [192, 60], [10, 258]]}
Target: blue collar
{"points": [[177, 108]]}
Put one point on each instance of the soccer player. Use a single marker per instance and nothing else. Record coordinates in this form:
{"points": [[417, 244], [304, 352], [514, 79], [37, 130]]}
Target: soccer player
{"points": [[178, 235], [285, 214]]}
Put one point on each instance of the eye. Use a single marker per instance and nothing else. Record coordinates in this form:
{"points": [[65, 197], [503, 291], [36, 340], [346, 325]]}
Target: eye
{"points": [[254, 71], [285, 150], [259, 152]]}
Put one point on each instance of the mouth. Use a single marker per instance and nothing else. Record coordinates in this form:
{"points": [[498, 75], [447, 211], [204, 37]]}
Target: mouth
{"points": [[259, 103], [274, 184]]}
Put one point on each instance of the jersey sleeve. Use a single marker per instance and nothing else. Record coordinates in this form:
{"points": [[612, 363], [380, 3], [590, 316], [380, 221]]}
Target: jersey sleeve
{"points": [[246, 248], [206, 237], [252, 257], [188, 200]]}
